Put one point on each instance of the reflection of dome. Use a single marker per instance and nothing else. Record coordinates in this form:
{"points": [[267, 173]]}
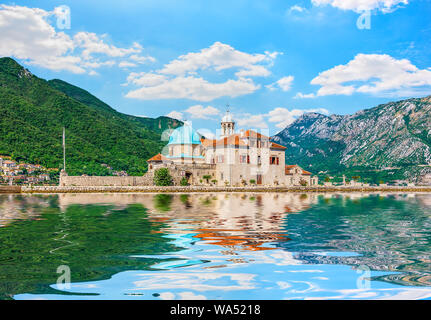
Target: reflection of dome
{"points": [[184, 135], [227, 117]]}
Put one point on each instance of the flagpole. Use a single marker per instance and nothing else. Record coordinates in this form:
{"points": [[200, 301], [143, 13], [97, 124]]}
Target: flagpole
{"points": [[64, 149]]}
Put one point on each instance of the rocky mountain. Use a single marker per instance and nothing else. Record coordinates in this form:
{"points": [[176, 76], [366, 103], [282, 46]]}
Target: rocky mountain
{"points": [[391, 141], [33, 112]]}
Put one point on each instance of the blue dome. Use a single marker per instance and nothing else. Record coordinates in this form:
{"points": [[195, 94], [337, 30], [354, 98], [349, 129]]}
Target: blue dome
{"points": [[184, 135]]}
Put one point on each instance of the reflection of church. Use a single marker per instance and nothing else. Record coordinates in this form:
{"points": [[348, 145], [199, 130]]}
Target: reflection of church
{"points": [[236, 159]]}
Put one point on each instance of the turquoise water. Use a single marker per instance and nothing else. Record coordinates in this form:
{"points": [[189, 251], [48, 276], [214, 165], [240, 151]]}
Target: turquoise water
{"points": [[215, 246]]}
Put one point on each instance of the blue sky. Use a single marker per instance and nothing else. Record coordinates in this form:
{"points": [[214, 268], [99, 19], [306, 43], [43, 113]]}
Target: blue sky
{"points": [[269, 60]]}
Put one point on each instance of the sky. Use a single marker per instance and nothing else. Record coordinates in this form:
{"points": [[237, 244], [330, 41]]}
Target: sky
{"points": [[268, 62]]}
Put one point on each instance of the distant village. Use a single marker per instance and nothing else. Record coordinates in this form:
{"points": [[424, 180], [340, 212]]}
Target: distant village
{"points": [[15, 173]]}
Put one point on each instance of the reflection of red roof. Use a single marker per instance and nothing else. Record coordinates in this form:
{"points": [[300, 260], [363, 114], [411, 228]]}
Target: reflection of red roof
{"points": [[288, 169], [157, 158]]}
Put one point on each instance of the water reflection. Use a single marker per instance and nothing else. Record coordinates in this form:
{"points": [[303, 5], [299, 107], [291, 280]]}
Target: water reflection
{"points": [[236, 221], [218, 246]]}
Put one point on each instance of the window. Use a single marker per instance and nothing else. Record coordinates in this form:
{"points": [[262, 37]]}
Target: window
{"points": [[244, 158], [220, 159], [258, 160], [274, 160]]}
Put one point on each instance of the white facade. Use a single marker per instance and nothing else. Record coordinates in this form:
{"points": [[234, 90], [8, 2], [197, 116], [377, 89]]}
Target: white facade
{"points": [[236, 159]]}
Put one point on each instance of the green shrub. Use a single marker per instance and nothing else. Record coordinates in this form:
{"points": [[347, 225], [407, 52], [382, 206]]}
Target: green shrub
{"points": [[207, 177], [184, 182], [162, 177], [252, 181]]}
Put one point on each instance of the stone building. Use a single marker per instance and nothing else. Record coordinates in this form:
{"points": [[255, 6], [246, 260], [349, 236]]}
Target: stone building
{"points": [[235, 159]]}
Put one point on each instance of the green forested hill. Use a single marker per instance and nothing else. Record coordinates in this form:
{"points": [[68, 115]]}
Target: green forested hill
{"points": [[33, 112], [158, 125]]}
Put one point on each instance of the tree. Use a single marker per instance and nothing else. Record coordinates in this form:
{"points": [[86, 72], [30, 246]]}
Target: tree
{"points": [[184, 182], [162, 177], [207, 178]]}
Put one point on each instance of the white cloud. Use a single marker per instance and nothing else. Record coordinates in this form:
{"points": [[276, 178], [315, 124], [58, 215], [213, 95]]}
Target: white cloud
{"points": [[218, 56], [301, 95], [377, 74], [362, 5], [145, 79], [175, 115], [297, 8], [192, 88], [200, 112], [180, 79], [142, 59], [252, 121], [91, 44], [284, 83], [26, 34], [127, 64], [283, 116], [191, 296]]}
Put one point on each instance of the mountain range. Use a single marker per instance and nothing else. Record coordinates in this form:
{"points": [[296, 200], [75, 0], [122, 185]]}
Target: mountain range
{"points": [[388, 142], [34, 111]]}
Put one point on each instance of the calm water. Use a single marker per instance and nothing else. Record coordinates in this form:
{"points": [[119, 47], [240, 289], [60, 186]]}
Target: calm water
{"points": [[216, 246]]}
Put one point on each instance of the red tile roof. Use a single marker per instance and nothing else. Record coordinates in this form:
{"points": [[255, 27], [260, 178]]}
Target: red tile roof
{"points": [[233, 140], [290, 167], [236, 140], [277, 146], [254, 134], [157, 158]]}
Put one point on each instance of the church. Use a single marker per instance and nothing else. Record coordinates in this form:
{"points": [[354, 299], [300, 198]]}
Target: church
{"points": [[237, 159]]}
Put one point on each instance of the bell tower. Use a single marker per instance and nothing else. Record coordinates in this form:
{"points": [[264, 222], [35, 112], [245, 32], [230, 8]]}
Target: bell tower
{"points": [[227, 125]]}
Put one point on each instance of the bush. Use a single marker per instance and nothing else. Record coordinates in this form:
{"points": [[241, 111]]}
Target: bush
{"points": [[162, 177], [184, 182], [207, 178], [252, 181], [303, 183], [214, 181]]}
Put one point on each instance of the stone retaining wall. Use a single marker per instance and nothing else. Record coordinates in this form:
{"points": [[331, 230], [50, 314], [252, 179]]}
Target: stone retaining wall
{"points": [[93, 181], [10, 189]]}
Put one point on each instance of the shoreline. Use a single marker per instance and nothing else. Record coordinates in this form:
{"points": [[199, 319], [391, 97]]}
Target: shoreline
{"points": [[200, 189]]}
